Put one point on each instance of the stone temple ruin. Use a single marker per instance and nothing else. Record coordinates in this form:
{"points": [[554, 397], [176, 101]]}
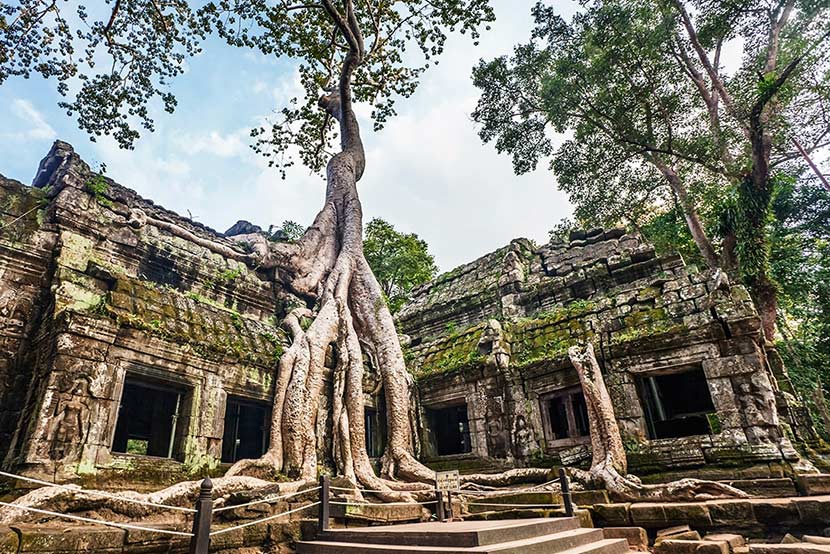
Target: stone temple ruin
{"points": [[692, 382], [133, 357]]}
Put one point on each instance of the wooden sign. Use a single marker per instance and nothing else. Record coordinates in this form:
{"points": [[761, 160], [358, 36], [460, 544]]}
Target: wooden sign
{"points": [[447, 480]]}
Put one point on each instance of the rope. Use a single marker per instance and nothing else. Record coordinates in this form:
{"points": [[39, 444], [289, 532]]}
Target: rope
{"points": [[264, 500], [15, 220], [98, 521], [347, 489], [383, 503], [77, 489], [500, 493], [515, 505], [263, 520]]}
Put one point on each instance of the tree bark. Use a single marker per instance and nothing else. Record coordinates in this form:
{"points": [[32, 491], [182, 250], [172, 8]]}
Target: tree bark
{"points": [[609, 463], [702, 241], [352, 317]]}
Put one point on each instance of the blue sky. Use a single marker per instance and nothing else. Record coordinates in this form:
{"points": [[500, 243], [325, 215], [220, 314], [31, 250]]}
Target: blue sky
{"points": [[427, 171]]}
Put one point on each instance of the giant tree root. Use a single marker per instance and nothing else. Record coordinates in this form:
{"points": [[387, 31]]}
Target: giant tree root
{"points": [[184, 494], [519, 476], [609, 464]]}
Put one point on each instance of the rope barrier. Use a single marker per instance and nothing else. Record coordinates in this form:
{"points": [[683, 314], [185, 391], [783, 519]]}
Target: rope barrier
{"points": [[500, 493], [348, 489], [264, 500], [455, 491], [263, 520], [515, 505], [97, 521], [102, 494], [382, 503]]}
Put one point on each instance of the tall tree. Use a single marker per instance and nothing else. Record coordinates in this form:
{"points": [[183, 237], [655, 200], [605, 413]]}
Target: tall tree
{"points": [[400, 261], [347, 52], [657, 124]]}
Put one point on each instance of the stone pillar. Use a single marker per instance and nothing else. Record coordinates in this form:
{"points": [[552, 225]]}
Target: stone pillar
{"points": [[203, 423]]}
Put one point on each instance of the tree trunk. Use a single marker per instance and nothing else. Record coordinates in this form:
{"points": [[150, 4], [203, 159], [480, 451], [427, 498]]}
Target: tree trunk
{"points": [[702, 241], [766, 299], [609, 464], [351, 317], [729, 259]]}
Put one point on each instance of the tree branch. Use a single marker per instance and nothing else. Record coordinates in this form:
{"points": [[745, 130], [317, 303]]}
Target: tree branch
{"points": [[717, 83]]}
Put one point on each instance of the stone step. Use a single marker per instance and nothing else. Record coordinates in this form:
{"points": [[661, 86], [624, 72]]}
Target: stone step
{"points": [[789, 548], [766, 488], [535, 498], [814, 484], [462, 533], [551, 544]]}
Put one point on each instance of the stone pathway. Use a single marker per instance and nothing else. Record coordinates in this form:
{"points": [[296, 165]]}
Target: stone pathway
{"points": [[528, 536]]}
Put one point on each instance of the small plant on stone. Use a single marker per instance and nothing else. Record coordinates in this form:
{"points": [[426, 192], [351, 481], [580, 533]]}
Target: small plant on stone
{"points": [[98, 187]]}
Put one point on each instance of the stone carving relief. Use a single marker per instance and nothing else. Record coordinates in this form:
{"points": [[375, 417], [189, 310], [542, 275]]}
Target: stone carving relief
{"points": [[68, 426]]}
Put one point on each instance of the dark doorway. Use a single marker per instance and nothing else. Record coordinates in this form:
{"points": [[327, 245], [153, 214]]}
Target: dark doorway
{"points": [[567, 417], [246, 430], [676, 404], [451, 429], [147, 418], [375, 429]]}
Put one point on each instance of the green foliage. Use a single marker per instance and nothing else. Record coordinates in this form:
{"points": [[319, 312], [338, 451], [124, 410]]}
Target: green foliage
{"points": [[668, 232], [625, 82], [753, 216], [230, 275], [800, 265], [657, 140], [125, 56], [291, 231], [98, 187], [400, 261]]}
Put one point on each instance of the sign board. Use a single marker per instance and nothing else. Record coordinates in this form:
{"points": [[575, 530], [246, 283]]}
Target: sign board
{"points": [[447, 480]]}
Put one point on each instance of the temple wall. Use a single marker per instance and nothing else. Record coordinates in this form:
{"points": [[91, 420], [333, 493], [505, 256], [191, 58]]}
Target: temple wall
{"points": [[681, 351], [109, 302], [25, 257]]}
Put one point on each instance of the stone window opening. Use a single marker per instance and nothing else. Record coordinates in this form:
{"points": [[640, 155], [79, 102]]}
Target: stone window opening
{"points": [[149, 419], [450, 427], [565, 417], [676, 404], [246, 434]]}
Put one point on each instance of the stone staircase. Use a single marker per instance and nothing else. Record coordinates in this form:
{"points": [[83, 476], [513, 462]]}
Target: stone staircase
{"points": [[527, 536]]}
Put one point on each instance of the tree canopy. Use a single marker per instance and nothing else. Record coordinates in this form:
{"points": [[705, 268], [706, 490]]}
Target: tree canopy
{"points": [[400, 261], [114, 60], [655, 125]]}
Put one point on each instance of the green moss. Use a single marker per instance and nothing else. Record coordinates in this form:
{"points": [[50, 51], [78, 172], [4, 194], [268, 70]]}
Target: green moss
{"points": [[25, 208], [456, 352], [70, 296], [226, 333], [650, 329], [714, 423], [230, 275], [98, 187]]}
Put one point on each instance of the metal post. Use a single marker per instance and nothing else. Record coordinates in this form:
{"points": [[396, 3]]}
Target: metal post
{"points": [[566, 492], [200, 541], [439, 497], [323, 520]]}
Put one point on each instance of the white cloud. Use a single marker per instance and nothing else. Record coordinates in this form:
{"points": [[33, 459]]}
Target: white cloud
{"points": [[38, 129], [427, 172], [214, 143]]}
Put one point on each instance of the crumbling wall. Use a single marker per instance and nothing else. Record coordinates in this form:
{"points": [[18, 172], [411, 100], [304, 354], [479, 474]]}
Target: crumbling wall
{"points": [[648, 316], [25, 256], [124, 300]]}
